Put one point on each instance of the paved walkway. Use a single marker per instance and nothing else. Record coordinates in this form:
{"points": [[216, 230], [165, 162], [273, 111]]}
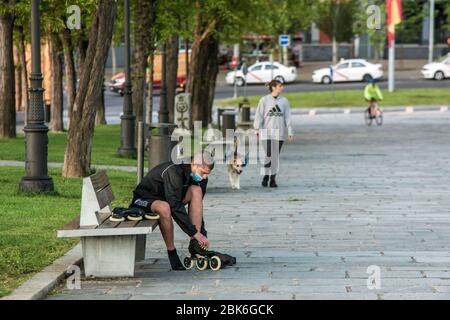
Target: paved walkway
{"points": [[350, 197]]}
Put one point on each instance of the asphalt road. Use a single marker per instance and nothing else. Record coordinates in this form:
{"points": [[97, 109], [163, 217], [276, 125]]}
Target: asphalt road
{"points": [[224, 91]]}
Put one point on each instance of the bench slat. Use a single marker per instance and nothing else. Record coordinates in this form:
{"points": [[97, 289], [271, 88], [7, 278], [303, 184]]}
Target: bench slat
{"points": [[127, 224], [108, 224], [104, 196], [102, 217], [148, 223], [99, 180], [103, 232]]}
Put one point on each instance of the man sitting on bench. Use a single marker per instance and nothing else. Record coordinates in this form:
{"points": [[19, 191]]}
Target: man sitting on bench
{"points": [[166, 190]]}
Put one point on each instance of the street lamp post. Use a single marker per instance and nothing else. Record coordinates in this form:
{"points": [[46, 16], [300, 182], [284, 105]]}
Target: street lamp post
{"points": [[36, 139], [128, 119]]}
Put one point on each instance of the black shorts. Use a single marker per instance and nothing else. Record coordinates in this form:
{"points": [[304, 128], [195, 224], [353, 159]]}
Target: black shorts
{"points": [[145, 204]]}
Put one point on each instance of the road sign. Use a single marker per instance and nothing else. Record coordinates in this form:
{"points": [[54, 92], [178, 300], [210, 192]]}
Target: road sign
{"points": [[284, 40]]}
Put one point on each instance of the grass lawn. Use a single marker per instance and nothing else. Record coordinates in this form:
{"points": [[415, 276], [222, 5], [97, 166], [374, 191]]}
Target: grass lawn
{"points": [[104, 150], [28, 223], [354, 98]]}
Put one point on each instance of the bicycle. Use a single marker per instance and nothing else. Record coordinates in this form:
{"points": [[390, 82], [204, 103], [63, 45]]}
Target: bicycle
{"points": [[369, 114]]}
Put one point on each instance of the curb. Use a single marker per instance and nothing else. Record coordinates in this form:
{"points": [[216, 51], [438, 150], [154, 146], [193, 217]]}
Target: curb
{"points": [[350, 110], [42, 283], [14, 163]]}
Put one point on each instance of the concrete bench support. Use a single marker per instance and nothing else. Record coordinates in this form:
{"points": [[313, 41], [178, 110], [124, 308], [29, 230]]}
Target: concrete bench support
{"points": [[112, 256]]}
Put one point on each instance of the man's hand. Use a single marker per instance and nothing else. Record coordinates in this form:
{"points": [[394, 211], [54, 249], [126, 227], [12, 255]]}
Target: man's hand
{"points": [[291, 138], [257, 132], [201, 239]]}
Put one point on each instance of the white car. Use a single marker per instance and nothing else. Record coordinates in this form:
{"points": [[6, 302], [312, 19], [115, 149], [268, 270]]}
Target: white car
{"points": [[437, 70], [349, 70], [262, 72]]}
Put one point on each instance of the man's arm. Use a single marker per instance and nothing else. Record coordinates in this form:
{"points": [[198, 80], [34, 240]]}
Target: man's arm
{"points": [[203, 185], [173, 189], [379, 94]]}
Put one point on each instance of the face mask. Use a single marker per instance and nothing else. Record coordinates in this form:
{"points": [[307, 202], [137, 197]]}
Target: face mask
{"points": [[196, 177]]}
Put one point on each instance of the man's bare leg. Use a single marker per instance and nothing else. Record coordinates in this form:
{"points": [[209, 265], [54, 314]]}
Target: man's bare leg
{"points": [[165, 222], [166, 226]]}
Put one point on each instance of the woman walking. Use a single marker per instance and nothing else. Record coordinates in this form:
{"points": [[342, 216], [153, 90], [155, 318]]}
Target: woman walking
{"points": [[273, 125]]}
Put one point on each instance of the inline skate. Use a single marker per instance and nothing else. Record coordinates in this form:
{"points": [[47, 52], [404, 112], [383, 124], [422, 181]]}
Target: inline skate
{"points": [[201, 257]]}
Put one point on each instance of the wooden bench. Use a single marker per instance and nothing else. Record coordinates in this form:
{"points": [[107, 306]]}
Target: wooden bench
{"points": [[110, 249]]}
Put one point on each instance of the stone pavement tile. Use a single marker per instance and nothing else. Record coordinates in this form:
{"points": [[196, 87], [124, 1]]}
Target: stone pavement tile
{"points": [[169, 297], [89, 296], [415, 296], [343, 204], [335, 296]]}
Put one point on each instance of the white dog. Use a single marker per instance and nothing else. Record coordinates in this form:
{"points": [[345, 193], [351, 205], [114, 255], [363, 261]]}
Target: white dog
{"points": [[234, 166]]}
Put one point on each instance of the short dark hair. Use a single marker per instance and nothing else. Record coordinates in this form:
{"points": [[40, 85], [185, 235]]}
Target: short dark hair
{"points": [[274, 83], [205, 159]]}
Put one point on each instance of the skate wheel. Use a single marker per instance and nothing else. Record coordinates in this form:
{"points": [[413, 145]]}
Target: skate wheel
{"points": [[188, 263], [202, 264], [215, 263]]}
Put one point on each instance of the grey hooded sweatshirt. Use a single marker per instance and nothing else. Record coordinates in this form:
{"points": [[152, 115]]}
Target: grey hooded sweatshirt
{"points": [[273, 118]]}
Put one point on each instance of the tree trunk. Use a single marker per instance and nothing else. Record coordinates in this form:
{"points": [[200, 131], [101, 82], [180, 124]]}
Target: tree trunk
{"points": [[211, 74], [149, 108], [7, 81], [142, 43], [172, 75], [114, 59], [57, 98], [335, 49], [82, 46], [77, 159], [201, 87], [18, 78], [24, 75], [71, 76], [100, 116]]}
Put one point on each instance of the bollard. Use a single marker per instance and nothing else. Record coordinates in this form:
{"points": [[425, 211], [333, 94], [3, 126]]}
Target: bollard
{"points": [[229, 122], [245, 112], [220, 112], [160, 144]]}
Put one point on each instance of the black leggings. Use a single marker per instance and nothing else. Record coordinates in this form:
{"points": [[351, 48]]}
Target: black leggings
{"points": [[272, 164]]}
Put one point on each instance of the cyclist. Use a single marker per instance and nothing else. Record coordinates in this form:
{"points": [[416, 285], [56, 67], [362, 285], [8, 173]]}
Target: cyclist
{"points": [[372, 94]]}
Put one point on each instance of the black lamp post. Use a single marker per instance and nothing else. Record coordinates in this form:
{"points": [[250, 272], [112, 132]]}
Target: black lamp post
{"points": [[128, 119], [36, 177]]}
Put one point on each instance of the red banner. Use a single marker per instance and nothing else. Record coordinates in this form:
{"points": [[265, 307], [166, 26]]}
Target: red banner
{"points": [[394, 17]]}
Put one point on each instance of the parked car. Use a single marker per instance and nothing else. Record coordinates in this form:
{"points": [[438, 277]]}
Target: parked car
{"points": [[349, 70], [117, 83], [262, 72], [437, 70]]}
